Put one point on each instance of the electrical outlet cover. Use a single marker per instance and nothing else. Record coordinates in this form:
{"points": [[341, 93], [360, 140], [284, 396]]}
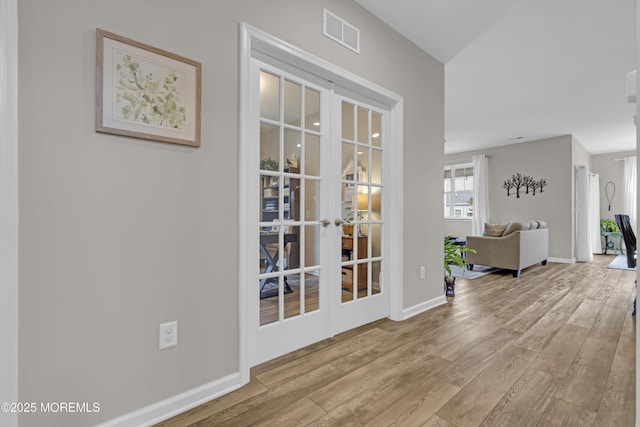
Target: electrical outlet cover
{"points": [[168, 335]]}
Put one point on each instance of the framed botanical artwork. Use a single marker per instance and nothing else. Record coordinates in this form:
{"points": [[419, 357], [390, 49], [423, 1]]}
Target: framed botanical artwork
{"points": [[146, 92]]}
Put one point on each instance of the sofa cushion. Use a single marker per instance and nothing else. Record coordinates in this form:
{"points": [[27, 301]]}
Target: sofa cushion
{"points": [[494, 230], [516, 226]]}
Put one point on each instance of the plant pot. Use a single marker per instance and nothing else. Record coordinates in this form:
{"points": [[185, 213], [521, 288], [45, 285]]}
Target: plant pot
{"points": [[450, 286], [347, 229]]}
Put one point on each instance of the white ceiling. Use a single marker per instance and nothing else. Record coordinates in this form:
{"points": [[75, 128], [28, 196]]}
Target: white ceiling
{"points": [[527, 69]]}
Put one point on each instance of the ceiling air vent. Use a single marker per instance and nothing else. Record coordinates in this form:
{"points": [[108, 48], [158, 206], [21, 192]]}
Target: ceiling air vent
{"points": [[341, 31]]}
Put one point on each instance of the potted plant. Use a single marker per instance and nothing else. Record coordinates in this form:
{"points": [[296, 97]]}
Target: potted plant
{"points": [[268, 164], [453, 254], [609, 225], [347, 225]]}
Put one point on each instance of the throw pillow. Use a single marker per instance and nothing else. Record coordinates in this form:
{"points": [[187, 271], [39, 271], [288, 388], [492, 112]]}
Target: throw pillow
{"points": [[542, 224], [516, 226], [494, 230], [534, 224]]}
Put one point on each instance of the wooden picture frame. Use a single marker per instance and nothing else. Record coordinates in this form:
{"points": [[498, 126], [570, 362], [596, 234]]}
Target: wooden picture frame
{"points": [[146, 92]]}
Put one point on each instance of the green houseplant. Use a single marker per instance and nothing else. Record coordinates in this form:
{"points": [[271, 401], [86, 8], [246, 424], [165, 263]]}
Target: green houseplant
{"points": [[347, 224], [453, 254], [609, 225], [268, 164]]}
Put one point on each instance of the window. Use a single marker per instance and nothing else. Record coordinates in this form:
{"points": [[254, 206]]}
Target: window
{"points": [[458, 191]]}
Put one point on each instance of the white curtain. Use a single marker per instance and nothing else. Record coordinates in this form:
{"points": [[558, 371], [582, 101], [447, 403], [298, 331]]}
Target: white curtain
{"points": [[480, 194], [629, 187], [583, 237], [594, 213]]}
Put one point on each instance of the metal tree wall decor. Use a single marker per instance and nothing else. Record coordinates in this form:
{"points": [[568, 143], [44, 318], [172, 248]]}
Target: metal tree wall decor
{"points": [[527, 182]]}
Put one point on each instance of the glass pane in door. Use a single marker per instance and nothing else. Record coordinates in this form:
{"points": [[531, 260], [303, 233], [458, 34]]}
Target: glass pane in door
{"points": [[361, 255], [269, 96], [292, 99], [290, 182]]}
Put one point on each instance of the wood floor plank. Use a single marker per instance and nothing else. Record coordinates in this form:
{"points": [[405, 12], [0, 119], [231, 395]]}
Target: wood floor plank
{"points": [[618, 402], [528, 317], [585, 381], [559, 354], [586, 314], [564, 414], [475, 400], [608, 325], [370, 402], [374, 350], [574, 319], [458, 344], [298, 413], [310, 349], [418, 404], [436, 421], [543, 331], [334, 394], [627, 342], [302, 365], [273, 401], [525, 402], [205, 410], [476, 359]]}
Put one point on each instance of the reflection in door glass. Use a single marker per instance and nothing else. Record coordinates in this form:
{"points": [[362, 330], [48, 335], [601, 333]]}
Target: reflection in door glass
{"points": [[347, 121], [269, 147], [269, 96], [311, 295], [269, 284], [292, 300], [311, 155], [292, 150], [376, 166], [312, 199], [363, 125], [312, 109], [376, 274], [292, 93], [376, 129], [348, 162], [270, 200], [376, 240]]}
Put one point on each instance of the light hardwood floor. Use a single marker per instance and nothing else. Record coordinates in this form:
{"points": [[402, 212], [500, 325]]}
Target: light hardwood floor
{"points": [[553, 348]]}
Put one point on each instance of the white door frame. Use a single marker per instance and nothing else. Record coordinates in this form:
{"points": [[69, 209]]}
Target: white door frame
{"points": [[256, 43], [9, 206]]}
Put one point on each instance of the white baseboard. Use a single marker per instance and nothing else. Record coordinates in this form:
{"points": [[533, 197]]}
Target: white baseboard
{"points": [[423, 306], [177, 404], [562, 260]]}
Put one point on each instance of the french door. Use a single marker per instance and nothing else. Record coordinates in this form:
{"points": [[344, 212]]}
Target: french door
{"points": [[318, 233], [358, 136]]}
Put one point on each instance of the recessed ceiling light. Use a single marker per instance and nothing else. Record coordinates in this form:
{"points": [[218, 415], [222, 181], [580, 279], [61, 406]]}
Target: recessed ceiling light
{"points": [[359, 152], [298, 145], [316, 123], [375, 135]]}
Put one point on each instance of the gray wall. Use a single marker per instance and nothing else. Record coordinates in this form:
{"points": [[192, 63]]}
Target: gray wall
{"points": [[548, 158], [118, 235], [610, 171]]}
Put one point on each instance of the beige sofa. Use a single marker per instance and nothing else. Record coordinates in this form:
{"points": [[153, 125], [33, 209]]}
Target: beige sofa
{"points": [[512, 246]]}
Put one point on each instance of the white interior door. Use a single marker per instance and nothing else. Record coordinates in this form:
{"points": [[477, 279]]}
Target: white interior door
{"points": [[318, 161], [359, 137], [290, 304]]}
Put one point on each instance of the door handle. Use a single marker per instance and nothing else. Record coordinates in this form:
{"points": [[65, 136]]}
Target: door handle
{"points": [[325, 222], [338, 222]]}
